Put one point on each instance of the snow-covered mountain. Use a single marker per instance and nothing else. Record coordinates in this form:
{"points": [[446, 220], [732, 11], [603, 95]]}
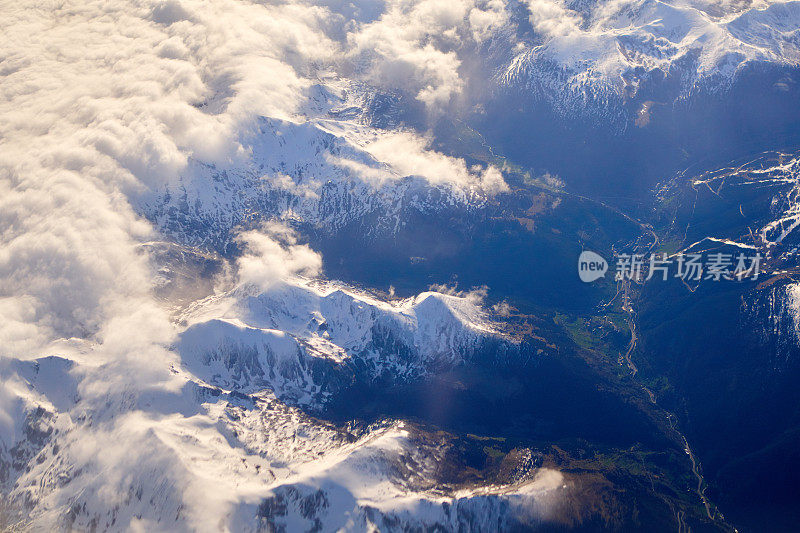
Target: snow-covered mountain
{"points": [[585, 55], [751, 204], [271, 467], [354, 154], [172, 357], [304, 342], [768, 188], [326, 171], [243, 356]]}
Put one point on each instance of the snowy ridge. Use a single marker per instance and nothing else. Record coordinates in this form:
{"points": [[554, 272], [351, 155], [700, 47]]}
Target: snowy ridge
{"points": [[777, 172], [389, 501], [591, 55], [303, 341], [773, 312], [773, 315], [199, 449], [325, 170], [756, 209]]}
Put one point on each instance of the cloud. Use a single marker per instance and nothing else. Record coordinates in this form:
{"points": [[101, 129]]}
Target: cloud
{"points": [[485, 21], [476, 295], [552, 18], [111, 100], [107, 102], [272, 254], [409, 154], [286, 183], [416, 45], [382, 157], [104, 101]]}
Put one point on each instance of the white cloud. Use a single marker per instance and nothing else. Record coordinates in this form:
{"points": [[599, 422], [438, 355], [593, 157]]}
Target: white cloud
{"points": [[102, 101], [476, 295], [106, 100], [415, 45], [272, 254], [302, 190], [484, 22], [552, 18], [409, 154]]}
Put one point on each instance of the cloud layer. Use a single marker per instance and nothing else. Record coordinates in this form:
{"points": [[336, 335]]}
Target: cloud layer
{"points": [[105, 101]]}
